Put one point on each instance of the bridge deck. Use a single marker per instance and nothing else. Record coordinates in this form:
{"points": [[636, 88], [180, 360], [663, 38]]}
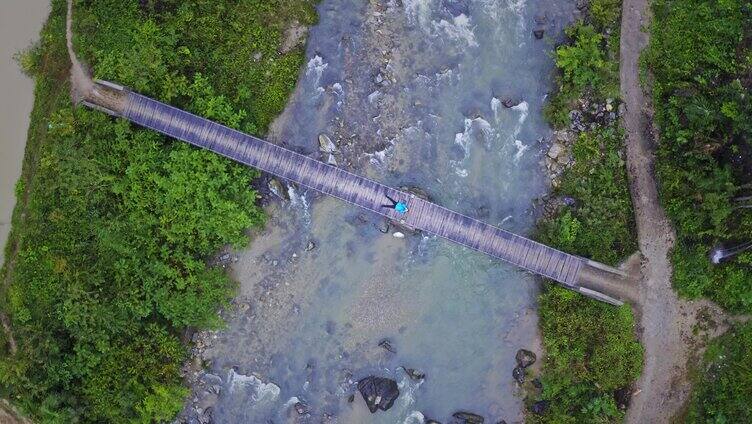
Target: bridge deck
{"points": [[360, 191]]}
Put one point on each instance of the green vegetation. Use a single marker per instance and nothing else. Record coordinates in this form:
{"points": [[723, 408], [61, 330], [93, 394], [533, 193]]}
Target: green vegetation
{"points": [[700, 57], [722, 393], [601, 225], [106, 262], [591, 348]]}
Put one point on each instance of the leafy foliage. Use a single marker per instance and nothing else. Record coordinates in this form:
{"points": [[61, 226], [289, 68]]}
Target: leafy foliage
{"points": [[582, 62], [119, 221], [588, 62], [701, 58]]}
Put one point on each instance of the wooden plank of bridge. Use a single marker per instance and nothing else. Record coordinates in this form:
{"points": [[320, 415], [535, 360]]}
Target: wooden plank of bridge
{"points": [[352, 188]]}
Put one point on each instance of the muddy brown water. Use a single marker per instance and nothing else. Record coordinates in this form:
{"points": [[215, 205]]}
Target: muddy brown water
{"points": [[20, 23]]}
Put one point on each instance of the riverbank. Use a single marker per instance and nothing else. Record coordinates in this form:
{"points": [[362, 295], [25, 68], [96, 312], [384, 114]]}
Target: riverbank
{"points": [[19, 27], [592, 354], [106, 267]]}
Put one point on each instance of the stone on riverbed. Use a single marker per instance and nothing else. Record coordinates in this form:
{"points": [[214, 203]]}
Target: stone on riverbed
{"points": [[509, 102], [414, 374], [538, 33], [556, 150], [518, 373], [387, 345], [525, 358], [326, 145], [278, 189], [302, 408], [463, 417], [457, 7], [378, 392]]}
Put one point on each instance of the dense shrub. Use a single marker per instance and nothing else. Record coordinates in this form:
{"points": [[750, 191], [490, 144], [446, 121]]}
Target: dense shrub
{"points": [[117, 222], [700, 57], [701, 60]]}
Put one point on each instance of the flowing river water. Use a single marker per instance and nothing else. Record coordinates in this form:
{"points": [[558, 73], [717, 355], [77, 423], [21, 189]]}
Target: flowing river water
{"points": [[411, 91], [20, 22]]}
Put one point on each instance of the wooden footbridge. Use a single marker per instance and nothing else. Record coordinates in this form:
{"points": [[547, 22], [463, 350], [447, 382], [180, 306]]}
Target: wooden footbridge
{"points": [[590, 278]]}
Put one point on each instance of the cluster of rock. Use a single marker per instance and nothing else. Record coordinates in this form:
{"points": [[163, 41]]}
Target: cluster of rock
{"points": [[525, 359], [587, 116], [206, 387], [590, 115], [559, 155]]}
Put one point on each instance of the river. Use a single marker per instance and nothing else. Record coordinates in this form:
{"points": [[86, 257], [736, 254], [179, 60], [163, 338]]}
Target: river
{"points": [[412, 92], [20, 23]]}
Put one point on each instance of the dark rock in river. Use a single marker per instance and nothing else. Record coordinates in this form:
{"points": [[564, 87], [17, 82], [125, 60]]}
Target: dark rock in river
{"points": [[518, 373], [414, 374], [278, 189], [540, 407], [509, 102], [457, 7], [538, 33], [430, 421], [525, 358], [302, 409], [386, 345], [623, 398], [378, 392], [464, 417]]}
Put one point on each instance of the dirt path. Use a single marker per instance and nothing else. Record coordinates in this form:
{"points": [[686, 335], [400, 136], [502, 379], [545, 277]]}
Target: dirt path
{"points": [[666, 322], [81, 83]]}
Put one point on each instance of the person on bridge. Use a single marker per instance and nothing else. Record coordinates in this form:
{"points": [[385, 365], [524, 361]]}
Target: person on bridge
{"points": [[399, 206]]}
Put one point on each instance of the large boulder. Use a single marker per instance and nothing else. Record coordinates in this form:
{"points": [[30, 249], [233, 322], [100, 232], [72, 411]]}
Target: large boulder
{"points": [[378, 392], [525, 358], [464, 417]]}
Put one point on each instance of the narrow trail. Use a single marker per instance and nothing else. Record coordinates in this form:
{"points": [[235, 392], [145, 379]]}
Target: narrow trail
{"points": [[666, 322], [81, 83]]}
